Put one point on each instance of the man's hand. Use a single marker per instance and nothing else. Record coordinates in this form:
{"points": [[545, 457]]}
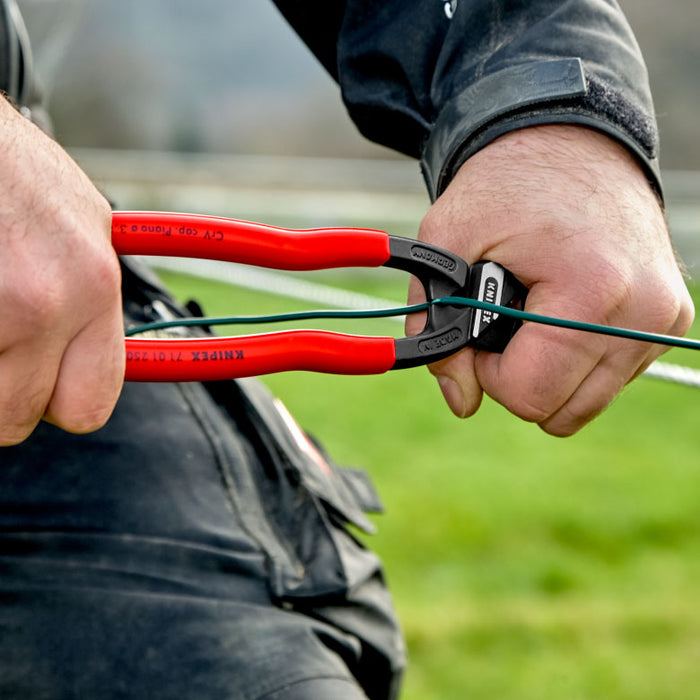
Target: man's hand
{"points": [[61, 328], [571, 214]]}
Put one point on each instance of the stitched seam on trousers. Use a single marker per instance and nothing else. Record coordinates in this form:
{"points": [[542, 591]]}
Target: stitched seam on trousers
{"points": [[241, 493], [271, 694]]}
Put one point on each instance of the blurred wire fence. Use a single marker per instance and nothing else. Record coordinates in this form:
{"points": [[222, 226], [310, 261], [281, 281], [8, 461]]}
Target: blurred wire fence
{"points": [[290, 191], [682, 192], [308, 192]]}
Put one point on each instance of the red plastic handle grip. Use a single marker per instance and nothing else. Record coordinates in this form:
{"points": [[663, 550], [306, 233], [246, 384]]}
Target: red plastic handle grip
{"points": [[217, 238], [209, 359]]}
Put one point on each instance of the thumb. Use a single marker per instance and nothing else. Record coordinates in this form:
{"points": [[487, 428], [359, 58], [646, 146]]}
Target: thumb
{"points": [[455, 375]]}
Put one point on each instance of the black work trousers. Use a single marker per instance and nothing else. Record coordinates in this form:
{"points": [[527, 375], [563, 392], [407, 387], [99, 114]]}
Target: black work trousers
{"points": [[195, 547]]}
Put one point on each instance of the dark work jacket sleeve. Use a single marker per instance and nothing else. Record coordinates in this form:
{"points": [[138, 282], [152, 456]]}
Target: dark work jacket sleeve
{"points": [[17, 80], [440, 79], [14, 50]]}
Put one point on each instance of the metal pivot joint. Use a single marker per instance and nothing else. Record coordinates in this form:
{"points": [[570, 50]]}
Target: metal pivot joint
{"points": [[450, 328]]}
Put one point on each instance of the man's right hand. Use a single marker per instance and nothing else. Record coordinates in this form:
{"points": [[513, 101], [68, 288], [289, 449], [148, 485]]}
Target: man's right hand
{"points": [[61, 327], [570, 213]]}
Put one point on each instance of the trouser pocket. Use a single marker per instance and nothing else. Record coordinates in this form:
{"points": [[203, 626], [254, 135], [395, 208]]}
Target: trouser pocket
{"points": [[309, 503], [299, 506]]}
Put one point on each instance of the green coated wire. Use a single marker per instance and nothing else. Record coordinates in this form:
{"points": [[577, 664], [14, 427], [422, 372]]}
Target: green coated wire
{"points": [[658, 338], [669, 340], [280, 318]]}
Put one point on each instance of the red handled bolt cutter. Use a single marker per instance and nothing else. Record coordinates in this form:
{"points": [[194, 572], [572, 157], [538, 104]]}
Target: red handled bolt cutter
{"points": [[443, 274]]}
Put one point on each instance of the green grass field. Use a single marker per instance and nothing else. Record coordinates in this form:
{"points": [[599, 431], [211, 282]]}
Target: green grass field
{"points": [[523, 566]]}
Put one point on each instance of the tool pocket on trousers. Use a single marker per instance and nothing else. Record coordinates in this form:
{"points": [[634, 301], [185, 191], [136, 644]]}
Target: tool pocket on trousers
{"points": [[299, 508], [317, 566], [308, 501]]}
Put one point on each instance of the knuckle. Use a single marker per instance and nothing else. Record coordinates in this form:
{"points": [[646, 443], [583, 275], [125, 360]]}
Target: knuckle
{"points": [[531, 413], [86, 421], [430, 223], [670, 309], [575, 415], [42, 301], [683, 310], [15, 434], [106, 269], [434, 227], [531, 408], [559, 430], [19, 417], [567, 422], [686, 316], [104, 281], [538, 396], [84, 410], [39, 302], [610, 290]]}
